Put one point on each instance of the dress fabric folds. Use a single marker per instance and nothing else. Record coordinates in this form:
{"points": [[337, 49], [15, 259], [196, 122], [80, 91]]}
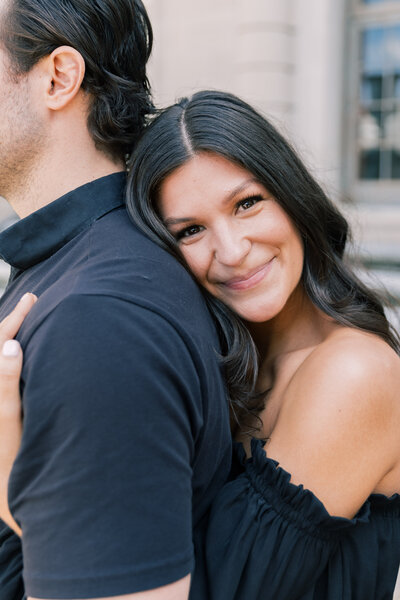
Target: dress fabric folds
{"points": [[268, 539], [11, 583]]}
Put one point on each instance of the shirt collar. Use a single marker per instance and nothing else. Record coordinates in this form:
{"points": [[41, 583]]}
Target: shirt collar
{"points": [[42, 233]]}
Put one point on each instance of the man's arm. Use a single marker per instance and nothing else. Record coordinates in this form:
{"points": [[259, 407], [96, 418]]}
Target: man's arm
{"points": [[175, 591], [102, 485]]}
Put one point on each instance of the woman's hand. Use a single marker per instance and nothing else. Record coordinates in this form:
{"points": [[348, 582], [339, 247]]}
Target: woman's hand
{"points": [[10, 401]]}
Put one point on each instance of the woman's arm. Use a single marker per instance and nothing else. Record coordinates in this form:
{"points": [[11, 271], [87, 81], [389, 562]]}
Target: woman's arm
{"points": [[10, 402]]}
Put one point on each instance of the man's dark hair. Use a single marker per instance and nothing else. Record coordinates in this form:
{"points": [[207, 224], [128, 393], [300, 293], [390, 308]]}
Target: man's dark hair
{"points": [[114, 38]]}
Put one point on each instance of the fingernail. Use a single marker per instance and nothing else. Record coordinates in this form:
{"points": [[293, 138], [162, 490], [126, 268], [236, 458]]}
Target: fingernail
{"points": [[11, 348], [26, 296]]}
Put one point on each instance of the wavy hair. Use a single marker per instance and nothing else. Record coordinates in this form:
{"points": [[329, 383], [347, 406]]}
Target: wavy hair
{"points": [[115, 40], [221, 123]]}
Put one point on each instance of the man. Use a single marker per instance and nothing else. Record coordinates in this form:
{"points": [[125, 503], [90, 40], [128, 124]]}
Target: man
{"points": [[126, 438]]}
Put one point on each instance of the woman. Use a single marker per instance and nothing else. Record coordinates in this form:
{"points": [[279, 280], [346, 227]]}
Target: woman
{"points": [[216, 185]]}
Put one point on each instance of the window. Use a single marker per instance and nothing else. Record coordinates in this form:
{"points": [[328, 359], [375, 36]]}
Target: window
{"points": [[379, 103], [371, 163], [371, 135]]}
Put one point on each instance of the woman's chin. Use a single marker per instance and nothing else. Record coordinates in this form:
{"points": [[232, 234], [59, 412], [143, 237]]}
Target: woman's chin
{"points": [[265, 305], [256, 314]]}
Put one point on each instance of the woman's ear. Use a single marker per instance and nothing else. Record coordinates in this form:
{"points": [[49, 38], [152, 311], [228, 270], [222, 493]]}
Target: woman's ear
{"points": [[65, 70]]}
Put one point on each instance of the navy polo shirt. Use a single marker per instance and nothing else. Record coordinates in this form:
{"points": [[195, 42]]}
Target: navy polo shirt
{"points": [[126, 438]]}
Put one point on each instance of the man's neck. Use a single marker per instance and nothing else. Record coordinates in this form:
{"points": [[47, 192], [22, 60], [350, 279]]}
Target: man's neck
{"points": [[59, 174]]}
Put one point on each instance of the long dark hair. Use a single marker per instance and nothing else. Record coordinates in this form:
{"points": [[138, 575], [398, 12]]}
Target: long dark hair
{"points": [[115, 40], [221, 123]]}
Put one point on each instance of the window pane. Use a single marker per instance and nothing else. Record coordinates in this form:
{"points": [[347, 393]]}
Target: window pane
{"points": [[369, 128], [396, 164], [385, 164], [373, 51], [369, 164], [371, 88], [391, 128], [397, 85], [392, 48]]}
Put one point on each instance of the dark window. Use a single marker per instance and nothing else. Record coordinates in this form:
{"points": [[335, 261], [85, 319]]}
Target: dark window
{"points": [[379, 103]]}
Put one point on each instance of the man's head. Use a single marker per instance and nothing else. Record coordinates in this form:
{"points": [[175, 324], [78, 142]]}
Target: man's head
{"points": [[114, 39]]}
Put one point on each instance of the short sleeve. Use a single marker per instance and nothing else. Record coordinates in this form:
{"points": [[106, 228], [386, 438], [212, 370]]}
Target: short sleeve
{"points": [[102, 483], [268, 538]]}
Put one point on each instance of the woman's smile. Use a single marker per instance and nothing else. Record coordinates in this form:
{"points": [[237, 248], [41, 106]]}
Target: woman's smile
{"points": [[235, 237], [250, 279]]}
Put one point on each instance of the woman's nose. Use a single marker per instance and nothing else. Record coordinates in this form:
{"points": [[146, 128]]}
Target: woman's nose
{"points": [[231, 247]]}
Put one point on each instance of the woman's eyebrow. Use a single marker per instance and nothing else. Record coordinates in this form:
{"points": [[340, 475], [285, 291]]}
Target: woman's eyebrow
{"points": [[172, 221], [231, 194], [240, 188]]}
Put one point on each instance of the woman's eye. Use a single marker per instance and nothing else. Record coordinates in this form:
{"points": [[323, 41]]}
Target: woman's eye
{"points": [[248, 202], [188, 232]]}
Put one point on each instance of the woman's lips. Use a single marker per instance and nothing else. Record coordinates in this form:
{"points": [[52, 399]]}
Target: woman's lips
{"points": [[250, 280]]}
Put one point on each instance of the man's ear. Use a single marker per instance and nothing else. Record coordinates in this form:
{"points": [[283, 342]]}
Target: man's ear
{"points": [[65, 70]]}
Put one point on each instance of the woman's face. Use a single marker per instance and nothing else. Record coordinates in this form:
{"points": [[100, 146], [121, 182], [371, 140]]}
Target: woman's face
{"points": [[237, 240]]}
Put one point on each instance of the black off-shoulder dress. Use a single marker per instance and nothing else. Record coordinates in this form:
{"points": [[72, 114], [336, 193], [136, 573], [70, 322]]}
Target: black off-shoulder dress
{"points": [[271, 540], [268, 539]]}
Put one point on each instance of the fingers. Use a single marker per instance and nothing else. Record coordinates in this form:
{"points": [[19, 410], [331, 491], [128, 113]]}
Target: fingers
{"points": [[10, 402], [10, 325], [10, 372], [10, 421]]}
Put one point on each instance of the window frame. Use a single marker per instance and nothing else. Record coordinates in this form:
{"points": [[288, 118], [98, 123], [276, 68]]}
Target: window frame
{"points": [[361, 15]]}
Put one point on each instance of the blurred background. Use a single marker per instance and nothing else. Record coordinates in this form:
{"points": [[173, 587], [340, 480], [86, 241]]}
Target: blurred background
{"points": [[326, 72]]}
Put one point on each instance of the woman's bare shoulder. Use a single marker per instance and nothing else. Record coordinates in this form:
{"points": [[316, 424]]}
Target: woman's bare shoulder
{"points": [[351, 359], [340, 419], [351, 376]]}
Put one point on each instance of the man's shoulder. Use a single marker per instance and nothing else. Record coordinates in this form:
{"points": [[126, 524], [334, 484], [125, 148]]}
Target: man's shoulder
{"points": [[114, 233], [113, 258], [120, 254], [113, 263]]}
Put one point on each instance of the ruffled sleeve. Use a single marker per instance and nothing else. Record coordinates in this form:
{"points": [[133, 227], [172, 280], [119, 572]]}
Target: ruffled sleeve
{"points": [[268, 538], [11, 583]]}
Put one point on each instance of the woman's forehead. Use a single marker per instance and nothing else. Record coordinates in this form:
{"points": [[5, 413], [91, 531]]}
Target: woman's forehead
{"points": [[206, 172]]}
